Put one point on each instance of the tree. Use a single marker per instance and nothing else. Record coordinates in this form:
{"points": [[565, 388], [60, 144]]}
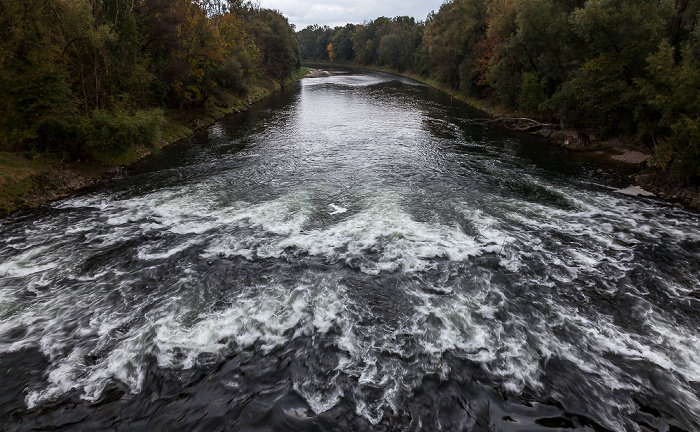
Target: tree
{"points": [[389, 51], [625, 29], [274, 37], [242, 56], [331, 52], [342, 43], [671, 111], [450, 38], [73, 68]]}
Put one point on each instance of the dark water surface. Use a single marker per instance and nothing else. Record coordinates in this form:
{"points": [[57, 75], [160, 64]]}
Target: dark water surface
{"points": [[352, 255]]}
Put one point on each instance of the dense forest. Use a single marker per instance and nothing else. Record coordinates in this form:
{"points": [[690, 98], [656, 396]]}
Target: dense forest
{"points": [[87, 78], [603, 67]]}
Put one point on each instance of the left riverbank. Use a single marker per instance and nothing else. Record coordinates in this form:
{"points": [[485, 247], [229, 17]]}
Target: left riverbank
{"points": [[34, 180]]}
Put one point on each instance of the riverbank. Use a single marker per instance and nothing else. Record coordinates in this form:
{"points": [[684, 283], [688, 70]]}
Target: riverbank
{"points": [[622, 151], [33, 181]]}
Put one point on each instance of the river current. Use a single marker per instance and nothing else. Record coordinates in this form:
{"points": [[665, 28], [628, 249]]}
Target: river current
{"points": [[353, 254]]}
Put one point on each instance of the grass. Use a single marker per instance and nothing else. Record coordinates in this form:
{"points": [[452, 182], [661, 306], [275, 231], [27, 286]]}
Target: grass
{"points": [[301, 73], [17, 177], [16, 166]]}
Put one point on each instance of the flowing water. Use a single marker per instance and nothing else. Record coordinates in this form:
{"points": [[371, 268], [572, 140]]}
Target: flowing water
{"points": [[352, 254]]}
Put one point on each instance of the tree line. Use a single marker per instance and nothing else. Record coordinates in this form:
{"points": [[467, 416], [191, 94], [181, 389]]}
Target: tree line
{"points": [[615, 67], [82, 78]]}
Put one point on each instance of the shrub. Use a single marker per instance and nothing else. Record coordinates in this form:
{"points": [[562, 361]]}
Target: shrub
{"points": [[108, 134], [531, 92]]}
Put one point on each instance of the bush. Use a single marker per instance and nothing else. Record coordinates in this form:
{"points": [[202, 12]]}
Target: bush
{"points": [[531, 92], [671, 109], [59, 135], [109, 134], [230, 76]]}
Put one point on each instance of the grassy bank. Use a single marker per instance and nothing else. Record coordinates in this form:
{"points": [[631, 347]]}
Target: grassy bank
{"points": [[29, 180]]}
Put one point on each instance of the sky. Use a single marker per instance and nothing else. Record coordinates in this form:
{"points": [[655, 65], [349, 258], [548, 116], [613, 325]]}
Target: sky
{"points": [[333, 13]]}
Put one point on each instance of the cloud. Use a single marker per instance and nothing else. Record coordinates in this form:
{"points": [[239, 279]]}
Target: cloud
{"points": [[333, 13]]}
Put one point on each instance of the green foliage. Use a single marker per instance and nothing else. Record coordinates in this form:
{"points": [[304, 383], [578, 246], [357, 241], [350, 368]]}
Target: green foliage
{"points": [[543, 41], [30, 98], [671, 113], [342, 43], [603, 94], [504, 80], [531, 92], [277, 44], [626, 29], [13, 139], [385, 42], [81, 77], [231, 76], [109, 134], [451, 37], [565, 103], [389, 51], [38, 93], [313, 42]]}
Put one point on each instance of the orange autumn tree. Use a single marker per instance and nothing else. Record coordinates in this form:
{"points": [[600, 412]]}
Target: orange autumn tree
{"points": [[200, 51], [331, 52]]}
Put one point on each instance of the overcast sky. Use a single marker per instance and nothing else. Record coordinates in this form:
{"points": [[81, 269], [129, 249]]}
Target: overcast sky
{"points": [[333, 13]]}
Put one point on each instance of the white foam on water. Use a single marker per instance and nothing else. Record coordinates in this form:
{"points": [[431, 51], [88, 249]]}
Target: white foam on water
{"points": [[336, 209], [385, 230], [125, 363], [320, 396], [466, 325], [475, 321], [23, 266], [262, 315], [381, 237], [284, 216], [346, 81], [676, 350], [154, 251], [69, 326]]}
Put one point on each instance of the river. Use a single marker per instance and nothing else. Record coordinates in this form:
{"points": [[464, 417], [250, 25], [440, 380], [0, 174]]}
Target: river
{"points": [[354, 253]]}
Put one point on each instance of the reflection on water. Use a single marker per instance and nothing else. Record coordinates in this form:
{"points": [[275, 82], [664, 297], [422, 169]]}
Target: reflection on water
{"points": [[352, 254]]}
